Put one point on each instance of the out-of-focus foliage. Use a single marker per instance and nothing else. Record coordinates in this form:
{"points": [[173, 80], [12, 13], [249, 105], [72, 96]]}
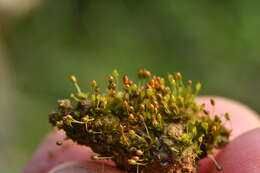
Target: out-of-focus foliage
{"points": [[214, 42]]}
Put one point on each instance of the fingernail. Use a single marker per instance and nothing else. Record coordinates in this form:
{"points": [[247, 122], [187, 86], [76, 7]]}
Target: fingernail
{"points": [[71, 167]]}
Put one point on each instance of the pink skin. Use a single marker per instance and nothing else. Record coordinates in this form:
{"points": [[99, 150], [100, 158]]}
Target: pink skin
{"points": [[241, 155]]}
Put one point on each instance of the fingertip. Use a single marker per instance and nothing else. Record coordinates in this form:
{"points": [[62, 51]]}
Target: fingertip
{"points": [[49, 154], [241, 155], [242, 117]]}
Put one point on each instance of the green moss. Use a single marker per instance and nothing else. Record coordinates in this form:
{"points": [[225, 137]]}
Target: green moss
{"points": [[143, 125]]}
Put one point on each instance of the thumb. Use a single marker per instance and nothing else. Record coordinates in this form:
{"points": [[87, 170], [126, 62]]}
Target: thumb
{"points": [[68, 158]]}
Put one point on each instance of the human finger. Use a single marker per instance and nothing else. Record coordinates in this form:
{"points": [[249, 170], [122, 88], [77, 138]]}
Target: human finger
{"points": [[243, 119], [241, 155], [49, 155]]}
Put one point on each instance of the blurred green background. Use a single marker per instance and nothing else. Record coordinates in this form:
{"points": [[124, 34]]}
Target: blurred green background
{"points": [[215, 42]]}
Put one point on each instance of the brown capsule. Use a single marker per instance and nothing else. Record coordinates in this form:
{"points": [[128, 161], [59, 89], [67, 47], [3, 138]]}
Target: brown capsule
{"points": [[155, 103], [112, 86], [130, 83], [148, 87], [127, 86], [146, 73], [159, 96], [135, 158], [142, 107], [212, 102], [159, 80], [68, 117], [178, 75], [125, 79], [206, 112], [131, 109], [190, 82], [139, 152], [113, 93], [152, 83], [131, 116], [110, 78], [141, 73], [162, 88], [155, 122], [139, 116], [152, 107], [214, 128], [97, 89], [59, 143], [125, 104]]}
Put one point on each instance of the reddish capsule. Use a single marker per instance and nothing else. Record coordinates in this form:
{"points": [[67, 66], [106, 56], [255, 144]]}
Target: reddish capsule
{"points": [[151, 83], [125, 79], [156, 110], [163, 89], [159, 80], [139, 152], [152, 107], [159, 96], [130, 83], [131, 116]]}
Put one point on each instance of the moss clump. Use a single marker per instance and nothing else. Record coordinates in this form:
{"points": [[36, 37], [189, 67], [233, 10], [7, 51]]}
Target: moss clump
{"points": [[143, 126]]}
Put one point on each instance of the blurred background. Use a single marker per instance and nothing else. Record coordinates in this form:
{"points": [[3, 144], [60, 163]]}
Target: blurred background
{"points": [[43, 42]]}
